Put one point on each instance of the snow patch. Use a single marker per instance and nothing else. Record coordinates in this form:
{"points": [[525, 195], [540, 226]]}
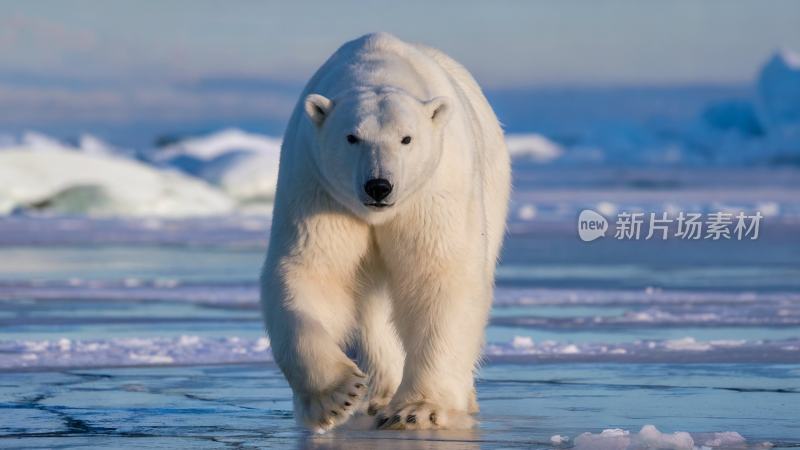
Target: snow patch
{"points": [[527, 212], [522, 342], [650, 438], [687, 344]]}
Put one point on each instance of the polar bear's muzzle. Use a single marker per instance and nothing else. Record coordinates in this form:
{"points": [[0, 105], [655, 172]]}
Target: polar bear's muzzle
{"points": [[378, 189]]}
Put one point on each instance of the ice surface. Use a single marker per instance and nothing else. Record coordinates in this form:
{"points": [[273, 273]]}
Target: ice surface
{"points": [[687, 349], [175, 302], [651, 296], [196, 350], [683, 316], [250, 406], [185, 349]]}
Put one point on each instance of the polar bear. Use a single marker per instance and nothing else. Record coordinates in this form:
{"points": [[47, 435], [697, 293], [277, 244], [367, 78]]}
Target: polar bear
{"points": [[389, 214]]}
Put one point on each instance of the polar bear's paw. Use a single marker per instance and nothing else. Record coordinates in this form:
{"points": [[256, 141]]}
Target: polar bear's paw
{"points": [[423, 416], [380, 397], [377, 405], [322, 411]]}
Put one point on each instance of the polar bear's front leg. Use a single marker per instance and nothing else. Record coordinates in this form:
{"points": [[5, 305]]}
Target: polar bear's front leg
{"points": [[380, 352], [309, 309], [307, 345], [441, 321]]}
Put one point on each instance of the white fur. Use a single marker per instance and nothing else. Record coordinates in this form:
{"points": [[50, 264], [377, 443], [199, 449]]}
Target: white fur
{"points": [[408, 286]]}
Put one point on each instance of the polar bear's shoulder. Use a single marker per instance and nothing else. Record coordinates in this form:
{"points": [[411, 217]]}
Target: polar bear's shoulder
{"points": [[459, 74], [417, 54], [378, 45]]}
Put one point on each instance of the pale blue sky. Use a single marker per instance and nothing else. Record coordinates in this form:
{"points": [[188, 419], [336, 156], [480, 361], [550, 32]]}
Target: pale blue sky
{"points": [[81, 57]]}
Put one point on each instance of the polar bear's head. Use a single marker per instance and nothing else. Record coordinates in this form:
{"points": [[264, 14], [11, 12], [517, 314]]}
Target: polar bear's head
{"points": [[375, 148]]}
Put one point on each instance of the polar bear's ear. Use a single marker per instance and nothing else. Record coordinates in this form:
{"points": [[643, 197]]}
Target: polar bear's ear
{"points": [[439, 110], [317, 108]]}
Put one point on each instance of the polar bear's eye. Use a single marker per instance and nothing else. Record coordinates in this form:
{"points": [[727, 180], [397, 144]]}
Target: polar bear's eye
{"points": [[352, 139], [406, 140]]}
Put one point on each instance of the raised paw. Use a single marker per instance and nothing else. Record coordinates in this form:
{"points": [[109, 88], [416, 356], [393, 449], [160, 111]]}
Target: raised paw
{"points": [[422, 416], [322, 411]]}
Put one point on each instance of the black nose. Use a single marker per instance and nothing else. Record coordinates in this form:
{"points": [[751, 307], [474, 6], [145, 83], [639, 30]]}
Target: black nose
{"points": [[378, 188]]}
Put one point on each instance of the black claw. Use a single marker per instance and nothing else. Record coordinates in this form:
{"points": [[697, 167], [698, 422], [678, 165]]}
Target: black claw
{"points": [[411, 419], [352, 394], [433, 418], [347, 404], [380, 421], [334, 413], [395, 419], [359, 385]]}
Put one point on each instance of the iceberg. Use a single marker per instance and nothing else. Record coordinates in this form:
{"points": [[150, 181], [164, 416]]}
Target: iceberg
{"points": [[49, 176], [248, 178], [734, 115], [212, 146], [244, 165], [34, 141], [534, 147], [779, 93]]}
